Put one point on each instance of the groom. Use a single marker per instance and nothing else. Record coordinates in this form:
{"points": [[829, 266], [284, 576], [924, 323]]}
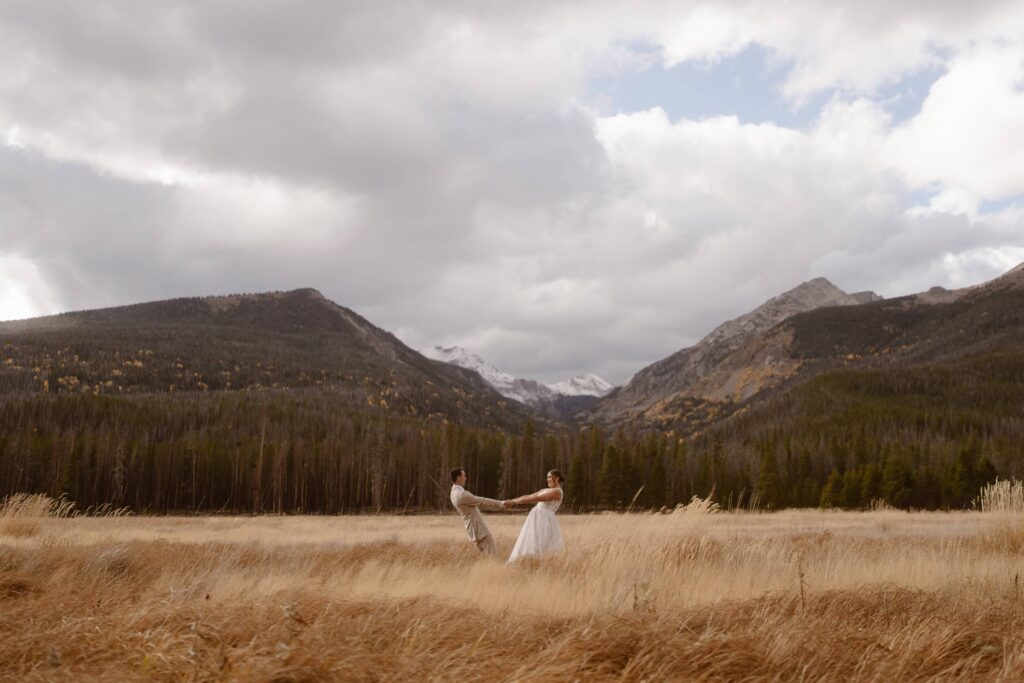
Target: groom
{"points": [[469, 506]]}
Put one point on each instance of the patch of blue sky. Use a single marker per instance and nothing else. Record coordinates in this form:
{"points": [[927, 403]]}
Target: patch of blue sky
{"points": [[919, 198], [903, 98], [747, 85], [923, 197], [990, 206]]}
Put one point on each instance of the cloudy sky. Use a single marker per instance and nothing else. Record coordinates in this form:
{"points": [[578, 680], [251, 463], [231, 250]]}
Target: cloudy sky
{"points": [[557, 186]]}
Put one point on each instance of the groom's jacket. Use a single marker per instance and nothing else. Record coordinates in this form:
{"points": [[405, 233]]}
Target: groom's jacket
{"points": [[469, 506]]}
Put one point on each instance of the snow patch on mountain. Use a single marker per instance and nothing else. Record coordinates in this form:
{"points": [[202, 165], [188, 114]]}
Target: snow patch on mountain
{"points": [[586, 384], [528, 391], [456, 355]]}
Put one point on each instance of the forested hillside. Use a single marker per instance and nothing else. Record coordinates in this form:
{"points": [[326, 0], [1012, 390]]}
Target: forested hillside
{"points": [[269, 409], [904, 330], [288, 340], [921, 436], [895, 333], [925, 437]]}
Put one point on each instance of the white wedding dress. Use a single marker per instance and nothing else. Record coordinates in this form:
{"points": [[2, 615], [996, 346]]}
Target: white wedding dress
{"points": [[541, 534]]}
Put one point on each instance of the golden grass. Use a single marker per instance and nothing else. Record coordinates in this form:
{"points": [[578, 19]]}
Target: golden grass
{"points": [[21, 514], [1002, 495], [793, 595]]}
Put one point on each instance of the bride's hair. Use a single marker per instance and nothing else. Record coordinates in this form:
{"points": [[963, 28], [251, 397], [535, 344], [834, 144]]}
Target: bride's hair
{"points": [[557, 474]]}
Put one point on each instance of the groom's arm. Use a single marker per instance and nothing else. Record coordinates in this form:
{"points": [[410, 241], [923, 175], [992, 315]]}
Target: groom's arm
{"points": [[480, 502]]}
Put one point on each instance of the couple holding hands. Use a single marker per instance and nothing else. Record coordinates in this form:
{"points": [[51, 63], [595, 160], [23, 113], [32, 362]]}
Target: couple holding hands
{"points": [[540, 534]]}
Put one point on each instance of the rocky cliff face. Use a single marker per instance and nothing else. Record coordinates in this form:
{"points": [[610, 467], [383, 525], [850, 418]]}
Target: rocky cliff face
{"points": [[729, 363]]}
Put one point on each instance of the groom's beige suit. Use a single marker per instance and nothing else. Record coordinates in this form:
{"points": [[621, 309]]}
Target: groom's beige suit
{"points": [[469, 506]]}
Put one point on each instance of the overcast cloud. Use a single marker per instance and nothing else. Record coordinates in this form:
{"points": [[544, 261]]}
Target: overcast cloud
{"points": [[484, 174]]}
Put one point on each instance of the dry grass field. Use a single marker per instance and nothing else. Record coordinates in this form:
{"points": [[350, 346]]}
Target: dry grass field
{"points": [[800, 595]]}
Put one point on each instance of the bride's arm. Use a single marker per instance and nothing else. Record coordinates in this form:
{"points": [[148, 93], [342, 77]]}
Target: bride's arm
{"points": [[543, 495]]}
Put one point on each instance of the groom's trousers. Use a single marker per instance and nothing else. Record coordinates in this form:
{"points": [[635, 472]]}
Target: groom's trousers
{"points": [[486, 545]]}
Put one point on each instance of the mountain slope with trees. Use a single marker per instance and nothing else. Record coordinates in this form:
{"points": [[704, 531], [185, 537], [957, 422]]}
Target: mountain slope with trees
{"points": [[255, 342], [705, 377], [692, 396]]}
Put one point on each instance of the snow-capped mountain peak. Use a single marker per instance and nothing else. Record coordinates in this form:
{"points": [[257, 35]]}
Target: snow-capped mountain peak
{"points": [[586, 384], [456, 355], [528, 391]]}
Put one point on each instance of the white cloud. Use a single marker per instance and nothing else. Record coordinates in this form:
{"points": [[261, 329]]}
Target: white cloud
{"points": [[706, 33], [853, 47], [969, 135]]}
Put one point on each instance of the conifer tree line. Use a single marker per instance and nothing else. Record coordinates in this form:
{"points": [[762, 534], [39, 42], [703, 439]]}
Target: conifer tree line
{"points": [[842, 440]]}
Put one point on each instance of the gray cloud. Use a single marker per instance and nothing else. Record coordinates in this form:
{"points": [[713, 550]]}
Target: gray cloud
{"points": [[437, 168], [92, 236]]}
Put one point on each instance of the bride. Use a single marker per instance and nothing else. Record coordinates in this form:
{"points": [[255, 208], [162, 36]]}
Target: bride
{"points": [[540, 534]]}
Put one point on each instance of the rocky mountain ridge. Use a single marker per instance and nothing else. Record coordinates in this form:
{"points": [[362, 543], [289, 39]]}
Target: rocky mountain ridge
{"points": [[695, 371], [811, 329]]}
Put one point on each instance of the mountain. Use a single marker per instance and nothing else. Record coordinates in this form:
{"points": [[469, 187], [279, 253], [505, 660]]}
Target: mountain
{"points": [[700, 374], [779, 345], [914, 400], [919, 328], [562, 401], [246, 342], [527, 391], [586, 384]]}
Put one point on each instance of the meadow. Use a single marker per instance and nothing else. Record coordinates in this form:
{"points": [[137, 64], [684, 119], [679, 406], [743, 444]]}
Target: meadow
{"points": [[692, 595]]}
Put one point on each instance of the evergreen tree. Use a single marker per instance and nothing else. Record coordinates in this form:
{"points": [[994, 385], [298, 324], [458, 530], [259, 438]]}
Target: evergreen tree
{"points": [[852, 484], [832, 493], [610, 480], [808, 490], [768, 477], [897, 482], [656, 491], [681, 489], [871, 484], [576, 486], [630, 481]]}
